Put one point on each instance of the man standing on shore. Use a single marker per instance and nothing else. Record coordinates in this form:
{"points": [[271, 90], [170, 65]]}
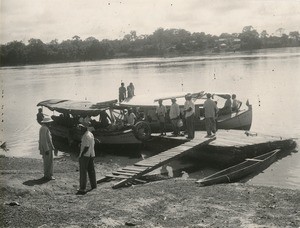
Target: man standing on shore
{"points": [[210, 109], [189, 109], [46, 148], [86, 160]]}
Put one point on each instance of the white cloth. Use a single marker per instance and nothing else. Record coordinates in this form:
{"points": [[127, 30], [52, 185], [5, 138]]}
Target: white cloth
{"points": [[210, 108], [187, 105], [131, 118], [174, 111], [87, 140]]}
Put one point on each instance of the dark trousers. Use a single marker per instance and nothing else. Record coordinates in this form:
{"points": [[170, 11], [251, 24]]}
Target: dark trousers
{"points": [[190, 126], [210, 125], [175, 126], [162, 127], [86, 166]]}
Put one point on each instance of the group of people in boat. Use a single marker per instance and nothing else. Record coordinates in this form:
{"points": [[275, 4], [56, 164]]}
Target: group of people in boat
{"points": [[175, 116], [231, 105], [126, 93], [187, 118]]}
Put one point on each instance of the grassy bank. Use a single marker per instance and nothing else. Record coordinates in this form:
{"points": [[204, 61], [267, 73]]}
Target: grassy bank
{"points": [[167, 203]]}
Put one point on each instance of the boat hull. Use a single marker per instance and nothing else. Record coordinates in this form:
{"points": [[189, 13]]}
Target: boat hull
{"points": [[123, 137], [241, 120]]}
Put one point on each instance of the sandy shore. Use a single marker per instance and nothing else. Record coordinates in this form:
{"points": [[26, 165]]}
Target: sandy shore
{"points": [[166, 203]]}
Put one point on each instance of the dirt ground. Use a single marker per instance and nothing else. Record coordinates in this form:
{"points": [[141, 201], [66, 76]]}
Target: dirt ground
{"points": [[166, 203]]}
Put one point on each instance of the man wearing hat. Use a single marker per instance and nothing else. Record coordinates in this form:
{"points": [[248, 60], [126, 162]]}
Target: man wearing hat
{"points": [[86, 159], [210, 110], [175, 116], [46, 148], [189, 110]]}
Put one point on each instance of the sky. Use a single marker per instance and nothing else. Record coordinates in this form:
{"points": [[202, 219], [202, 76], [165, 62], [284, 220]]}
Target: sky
{"points": [[111, 19]]}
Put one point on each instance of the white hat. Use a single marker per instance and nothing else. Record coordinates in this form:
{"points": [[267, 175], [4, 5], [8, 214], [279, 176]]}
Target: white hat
{"points": [[47, 120]]}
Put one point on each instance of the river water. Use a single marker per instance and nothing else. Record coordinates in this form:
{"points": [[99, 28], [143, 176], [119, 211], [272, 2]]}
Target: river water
{"points": [[270, 79]]}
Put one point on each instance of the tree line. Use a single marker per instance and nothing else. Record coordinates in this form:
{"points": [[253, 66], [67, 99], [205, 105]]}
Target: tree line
{"points": [[162, 42]]}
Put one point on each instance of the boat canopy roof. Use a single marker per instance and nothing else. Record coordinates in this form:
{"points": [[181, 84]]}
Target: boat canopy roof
{"points": [[150, 100], [77, 107]]}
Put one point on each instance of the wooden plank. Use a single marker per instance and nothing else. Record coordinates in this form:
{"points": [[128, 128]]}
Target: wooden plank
{"points": [[103, 179], [134, 168], [137, 164], [123, 173], [255, 138], [234, 141], [182, 148], [150, 163], [117, 176], [166, 156], [154, 166], [230, 142], [141, 181], [127, 171], [221, 144]]}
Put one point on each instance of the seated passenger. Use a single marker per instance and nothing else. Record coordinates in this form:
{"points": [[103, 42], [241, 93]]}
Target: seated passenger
{"points": [[85, 119], [236, 104], [104, 119], [131, 118], [40, 116], [227, 107]]}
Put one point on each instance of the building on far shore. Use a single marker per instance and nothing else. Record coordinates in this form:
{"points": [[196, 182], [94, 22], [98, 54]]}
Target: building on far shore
{"points": [[227, 44]]}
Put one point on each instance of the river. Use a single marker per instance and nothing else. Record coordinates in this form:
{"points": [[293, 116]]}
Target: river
{"points": [[269, 78]]}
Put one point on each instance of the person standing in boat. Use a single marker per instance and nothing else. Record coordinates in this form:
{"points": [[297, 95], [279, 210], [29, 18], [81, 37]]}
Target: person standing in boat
{"points": [[122, 92], [236, 104], [46, 148], [86, 159], [40, 116], [189, 110], [175, 116], [210, 110], [161, 114], [130, 90]]}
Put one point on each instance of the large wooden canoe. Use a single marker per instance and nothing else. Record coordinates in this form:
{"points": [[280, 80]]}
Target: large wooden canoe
{"points": [[241, 170]]}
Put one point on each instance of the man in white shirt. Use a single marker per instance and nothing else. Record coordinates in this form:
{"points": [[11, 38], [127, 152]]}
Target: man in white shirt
{"points": [[86, 159], [189, 110], [161, 114], [46, 148], [175, 116], [210, 109]]}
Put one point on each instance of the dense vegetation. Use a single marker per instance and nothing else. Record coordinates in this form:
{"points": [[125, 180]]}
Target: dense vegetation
{"points": [[163, 42]]}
